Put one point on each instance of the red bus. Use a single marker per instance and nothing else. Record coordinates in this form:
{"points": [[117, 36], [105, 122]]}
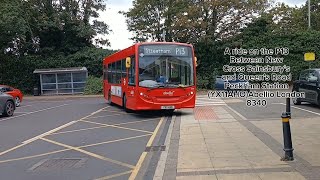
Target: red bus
{"points": [[151, 76]]}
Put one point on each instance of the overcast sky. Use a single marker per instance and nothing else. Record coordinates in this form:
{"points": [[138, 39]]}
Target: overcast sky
{"points": [[120, 36]]}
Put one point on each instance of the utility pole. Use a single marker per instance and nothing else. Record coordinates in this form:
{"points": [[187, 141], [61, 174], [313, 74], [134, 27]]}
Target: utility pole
{"points": [[309, 18]]}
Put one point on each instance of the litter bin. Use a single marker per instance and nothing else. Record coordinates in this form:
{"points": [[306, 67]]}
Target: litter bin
{"points": [[36, 91]]}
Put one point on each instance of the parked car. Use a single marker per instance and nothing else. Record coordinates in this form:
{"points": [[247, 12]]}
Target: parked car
{"points": [[15, 93], [7, 105], [309, 83], [219, 84]]}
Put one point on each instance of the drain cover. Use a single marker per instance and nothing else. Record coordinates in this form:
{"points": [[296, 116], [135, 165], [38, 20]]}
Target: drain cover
{"points": [[57, 164], [155, 148]]}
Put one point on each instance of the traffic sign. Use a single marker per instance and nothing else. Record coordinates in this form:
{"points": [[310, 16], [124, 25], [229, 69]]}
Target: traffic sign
{"points": [[310, 56]]}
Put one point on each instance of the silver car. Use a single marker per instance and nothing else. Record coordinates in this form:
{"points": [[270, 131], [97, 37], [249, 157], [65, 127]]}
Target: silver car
{"points": [[7, 105]]}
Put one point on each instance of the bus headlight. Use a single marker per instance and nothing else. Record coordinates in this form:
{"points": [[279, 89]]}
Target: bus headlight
{"points": [[144, 95], [190, 93]]}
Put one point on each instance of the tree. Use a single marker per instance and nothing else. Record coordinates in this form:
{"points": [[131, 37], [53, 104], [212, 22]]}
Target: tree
{"points": [[191, 20], [13, 27], [48, 26], [150, 19], [287, 19]]}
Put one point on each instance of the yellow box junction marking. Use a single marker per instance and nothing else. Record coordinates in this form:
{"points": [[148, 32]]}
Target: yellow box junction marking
{"points": [[95, 117], [143, 155], [84, 146], [88, 153], [120, 127], [114, 175], [48, 132], [103, 126]]}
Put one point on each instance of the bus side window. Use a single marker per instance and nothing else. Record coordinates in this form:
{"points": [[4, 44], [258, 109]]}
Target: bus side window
{"points": [[132, 72], [105, 72], [118, 72], [109, 73], [123, 69], [113, 73]]}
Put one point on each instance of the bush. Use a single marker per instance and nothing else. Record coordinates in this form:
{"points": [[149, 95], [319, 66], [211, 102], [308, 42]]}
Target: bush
{"points": [[18, 71], [93, 86]]}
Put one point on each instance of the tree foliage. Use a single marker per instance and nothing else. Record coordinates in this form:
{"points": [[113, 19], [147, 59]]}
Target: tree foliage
{"points": [[37, 34], [14, 27], [191, 20], [48, 26], [259, 34], [291, 19]]}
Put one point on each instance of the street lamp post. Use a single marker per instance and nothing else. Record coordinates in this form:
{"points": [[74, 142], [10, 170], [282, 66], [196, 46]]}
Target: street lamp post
{"points": [[309, 19]]}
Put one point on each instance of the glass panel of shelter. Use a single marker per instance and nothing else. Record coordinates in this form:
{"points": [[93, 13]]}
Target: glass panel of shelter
{"points": [[63, 83]]}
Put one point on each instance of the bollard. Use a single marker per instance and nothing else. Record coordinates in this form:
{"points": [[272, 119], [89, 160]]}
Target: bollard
{"points": [[288, 110], [287, 138]]}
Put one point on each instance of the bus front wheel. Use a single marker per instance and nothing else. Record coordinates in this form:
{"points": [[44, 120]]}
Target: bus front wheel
{"points": [[124, 104]]}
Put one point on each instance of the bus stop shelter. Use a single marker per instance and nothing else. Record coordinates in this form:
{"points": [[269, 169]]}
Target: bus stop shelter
{"points": [[60, 81]]}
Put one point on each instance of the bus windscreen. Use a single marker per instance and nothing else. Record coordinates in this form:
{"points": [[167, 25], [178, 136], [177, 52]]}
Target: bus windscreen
{"points": [[165, 66]]}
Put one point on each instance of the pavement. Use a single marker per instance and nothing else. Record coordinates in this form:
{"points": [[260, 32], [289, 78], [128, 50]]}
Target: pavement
{"points": [[215, 141]]}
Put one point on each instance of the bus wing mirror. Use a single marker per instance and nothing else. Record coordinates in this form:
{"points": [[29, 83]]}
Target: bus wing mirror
{"points": [[196, 61], [128, 62]]}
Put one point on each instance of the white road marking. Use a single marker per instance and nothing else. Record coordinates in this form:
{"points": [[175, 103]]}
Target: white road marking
{"points": [[22, 106], [33, 112], [300, 109], [204, 100]]}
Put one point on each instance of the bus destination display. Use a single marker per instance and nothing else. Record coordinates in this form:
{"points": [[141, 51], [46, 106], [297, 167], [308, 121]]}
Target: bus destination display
{"points": [[158, 50]]}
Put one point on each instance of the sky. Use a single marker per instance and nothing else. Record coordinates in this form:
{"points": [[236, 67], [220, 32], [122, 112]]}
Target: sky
{"points": [[120, 36]]}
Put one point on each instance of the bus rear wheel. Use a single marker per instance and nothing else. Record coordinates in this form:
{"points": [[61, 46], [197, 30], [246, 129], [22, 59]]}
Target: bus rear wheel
{"points": [[109, 99]]}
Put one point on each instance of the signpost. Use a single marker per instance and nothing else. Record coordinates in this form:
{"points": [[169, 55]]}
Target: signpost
{"points": [[309, 56]]}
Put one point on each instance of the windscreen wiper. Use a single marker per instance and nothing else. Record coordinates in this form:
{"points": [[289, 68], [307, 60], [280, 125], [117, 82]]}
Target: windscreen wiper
{"points": [[156, 86]]}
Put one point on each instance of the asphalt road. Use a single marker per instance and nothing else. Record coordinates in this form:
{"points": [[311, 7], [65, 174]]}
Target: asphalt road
{"points": [[76, 138]]}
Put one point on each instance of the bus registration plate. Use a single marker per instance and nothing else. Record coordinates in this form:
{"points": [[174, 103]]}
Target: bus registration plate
{"points": [[167, 107]]}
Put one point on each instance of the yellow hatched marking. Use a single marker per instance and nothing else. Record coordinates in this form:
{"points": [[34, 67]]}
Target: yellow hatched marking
{"points": [[34, 156], [88, 153], [144, 154], [120, 127], [118, 140], [96, 117], [84, 146], [47, 133], [103, 126], [84, 129], [12, 149], [114, 175], [120, 112]]}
